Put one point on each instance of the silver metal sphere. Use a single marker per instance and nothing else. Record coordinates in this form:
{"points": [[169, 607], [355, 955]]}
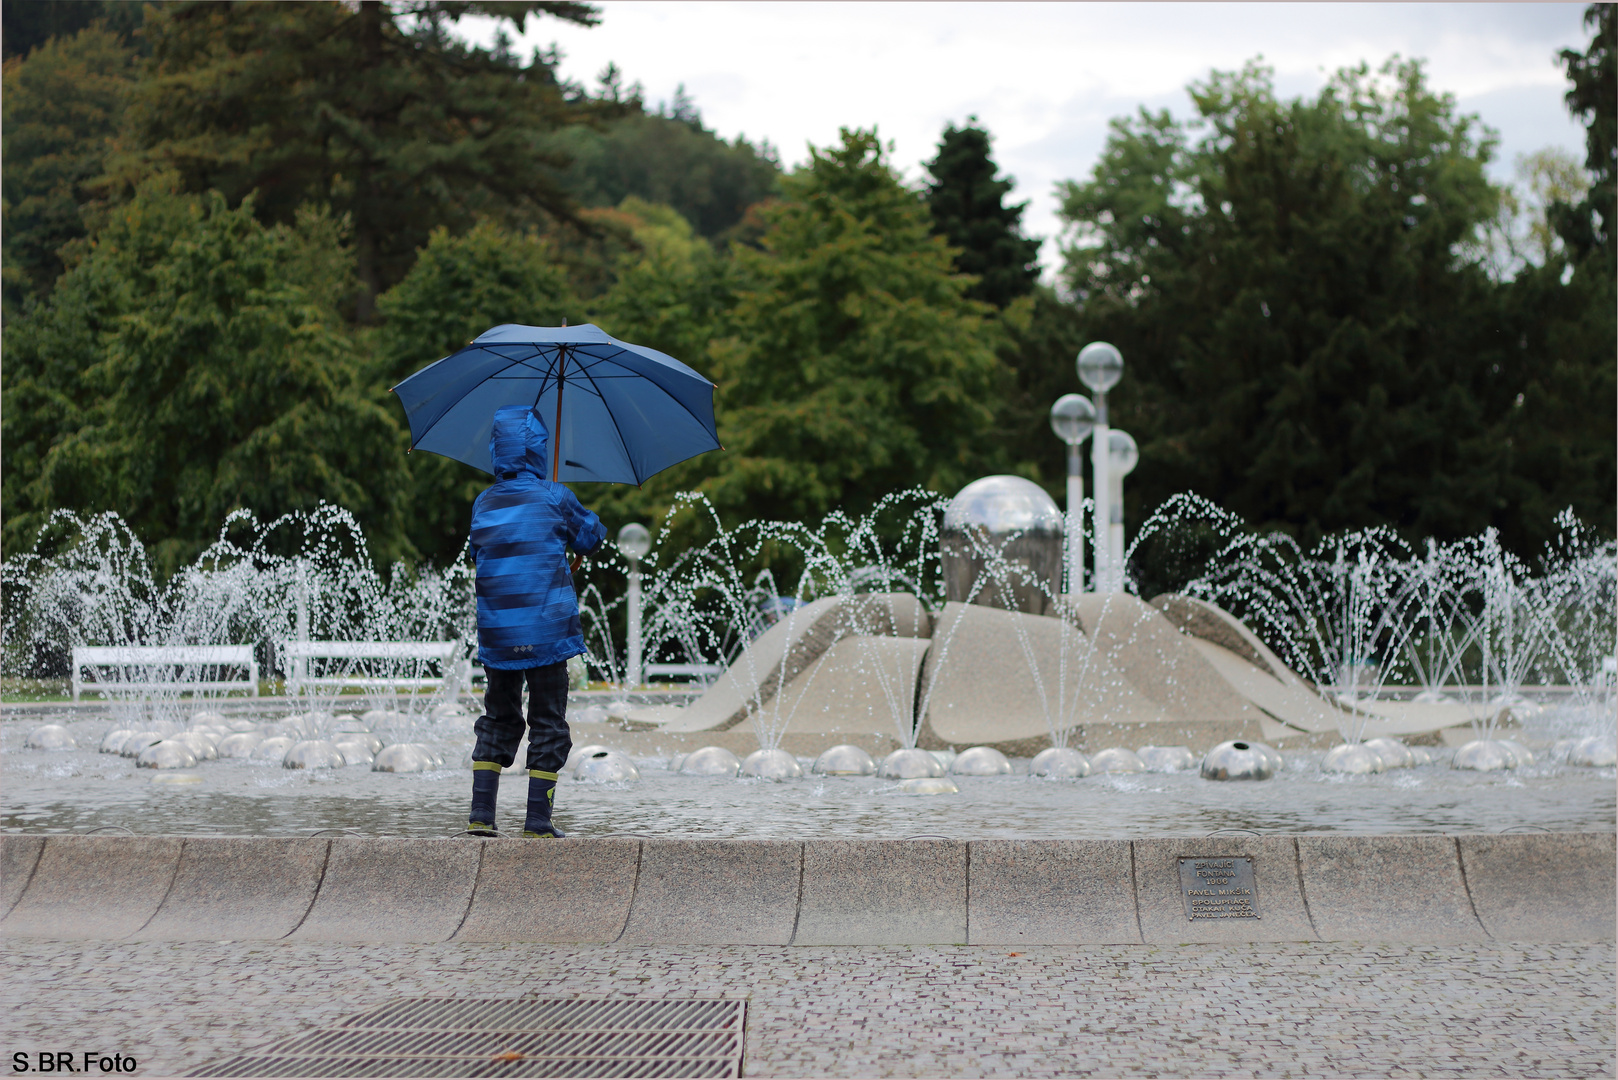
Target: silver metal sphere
{"points": [[634, 541], [981, 761], [844, 760], [1073, 418], [200, 743], [1357, 759], [1003, 505], [354, 751], [1422, 755], [1594, 751], [1059, 761], [372, 743], [579, 753], [313, 754], [1122, 453], [771, 765], [909, 764], [207, 718], [1167, 758], [1115, 759], [1484, 755], [50, 737], [139, 741], [945, 758], [1238, 760], [929, 785], [606, 767], [168, 754], [710, 761], [1100, 366], [1394, 754], [114, 740], [1519, 752], [273, 748], [1002, 518], [405, 758]]}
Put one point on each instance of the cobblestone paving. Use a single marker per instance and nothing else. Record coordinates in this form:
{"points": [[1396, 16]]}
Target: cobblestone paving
{"points": [[1122, 1010]]}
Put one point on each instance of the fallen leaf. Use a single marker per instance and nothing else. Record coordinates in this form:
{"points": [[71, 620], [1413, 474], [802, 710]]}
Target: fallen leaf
{"points": [[1013, 954], [509, 1055]]}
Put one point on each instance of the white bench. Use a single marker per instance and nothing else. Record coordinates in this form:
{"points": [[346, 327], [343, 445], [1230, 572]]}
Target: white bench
{"points": [[702, 673], [149, 667], [296, 657]]}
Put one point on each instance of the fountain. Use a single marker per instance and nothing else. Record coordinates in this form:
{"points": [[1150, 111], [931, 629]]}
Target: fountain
{"points": [[919, 635]]}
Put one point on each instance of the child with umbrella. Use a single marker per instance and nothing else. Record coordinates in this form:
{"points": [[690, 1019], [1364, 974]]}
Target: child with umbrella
{"points": [[528, 617]]}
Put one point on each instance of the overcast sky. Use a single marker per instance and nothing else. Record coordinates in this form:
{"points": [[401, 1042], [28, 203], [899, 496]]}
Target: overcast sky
{"points": [[1044, 78]]}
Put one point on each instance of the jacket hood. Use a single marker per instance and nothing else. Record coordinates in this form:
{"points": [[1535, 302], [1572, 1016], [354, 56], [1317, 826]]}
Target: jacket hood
{"points": [[518, 443]]}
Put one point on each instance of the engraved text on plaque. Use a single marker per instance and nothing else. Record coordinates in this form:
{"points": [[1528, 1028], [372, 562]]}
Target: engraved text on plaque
{"points": [[1218, 887]]}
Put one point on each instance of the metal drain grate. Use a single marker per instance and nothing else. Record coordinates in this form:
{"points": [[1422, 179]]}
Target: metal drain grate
{"points": [[616, 1037]]}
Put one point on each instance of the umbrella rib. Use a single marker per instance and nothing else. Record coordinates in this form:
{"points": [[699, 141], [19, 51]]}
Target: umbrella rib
{"points": [[616, 429]]}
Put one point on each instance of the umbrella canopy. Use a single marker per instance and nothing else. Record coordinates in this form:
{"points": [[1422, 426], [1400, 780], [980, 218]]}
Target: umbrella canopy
{"points": [[618, 413]]}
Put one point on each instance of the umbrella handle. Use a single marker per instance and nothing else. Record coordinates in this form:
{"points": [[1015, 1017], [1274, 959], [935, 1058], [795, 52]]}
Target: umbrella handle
{"points": [[573, 567]]}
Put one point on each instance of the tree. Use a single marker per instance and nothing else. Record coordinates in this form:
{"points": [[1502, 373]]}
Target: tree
{"points": [[1593, 98], [459, 287], [62, 109], [373, 109], [32, 23], [854, 365], [1304, 346], [967, 202], [673, 160], [192, 364]]}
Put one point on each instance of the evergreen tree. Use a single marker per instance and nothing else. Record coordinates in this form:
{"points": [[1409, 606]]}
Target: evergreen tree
{"points": [[968, 207], [61, 110], [669, 158], [854, 365], [373, 109]]}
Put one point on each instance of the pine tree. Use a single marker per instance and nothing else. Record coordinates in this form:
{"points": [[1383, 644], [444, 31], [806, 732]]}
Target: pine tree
{"points": [[968, 208], [373, 109]]}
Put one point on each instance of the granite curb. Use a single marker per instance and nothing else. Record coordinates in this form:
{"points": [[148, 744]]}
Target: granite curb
{"points": [[1425, 888]]}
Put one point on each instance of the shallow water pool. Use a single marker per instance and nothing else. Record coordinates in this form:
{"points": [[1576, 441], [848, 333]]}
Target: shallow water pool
{"points": [[79, 790]]}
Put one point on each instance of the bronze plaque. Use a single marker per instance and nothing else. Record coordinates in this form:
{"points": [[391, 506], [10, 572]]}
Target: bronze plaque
{"points": [[1218, 887]]}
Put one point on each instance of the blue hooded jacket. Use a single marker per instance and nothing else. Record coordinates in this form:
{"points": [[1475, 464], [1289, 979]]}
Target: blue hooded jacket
{"points": [[528, 615]]}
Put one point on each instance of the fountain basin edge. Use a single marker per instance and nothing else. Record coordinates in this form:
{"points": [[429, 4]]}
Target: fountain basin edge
{"points": [[1427, 888]]}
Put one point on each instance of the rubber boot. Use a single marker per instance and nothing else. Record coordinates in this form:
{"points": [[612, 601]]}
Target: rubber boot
{"points": [[485, 787], [541, 798]]}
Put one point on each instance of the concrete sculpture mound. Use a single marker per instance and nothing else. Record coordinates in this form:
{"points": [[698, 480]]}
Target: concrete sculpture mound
{"points": [[1108, 669]]}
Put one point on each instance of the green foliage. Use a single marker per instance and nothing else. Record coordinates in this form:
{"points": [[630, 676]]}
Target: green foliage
{"points": [[853, 365], [1304, 346], [669, 160], [394, 123], [29, 24], [60, 114], [191, 365], [967, 202], [1594, 99], [460, 287]]}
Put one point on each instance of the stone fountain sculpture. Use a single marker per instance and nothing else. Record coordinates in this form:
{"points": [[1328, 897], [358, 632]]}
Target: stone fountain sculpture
{"points": [[1010, 661]]}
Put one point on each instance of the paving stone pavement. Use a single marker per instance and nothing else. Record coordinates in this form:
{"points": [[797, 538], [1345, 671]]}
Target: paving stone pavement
{"points": [[1282, 1010]]}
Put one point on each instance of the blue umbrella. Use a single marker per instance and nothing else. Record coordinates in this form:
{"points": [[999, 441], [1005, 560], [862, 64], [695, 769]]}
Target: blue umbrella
{"points": [[618, 413]]}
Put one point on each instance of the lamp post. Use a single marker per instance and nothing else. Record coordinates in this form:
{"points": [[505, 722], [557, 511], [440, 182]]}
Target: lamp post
{"points": [[1072, 419], [1123, 459], [634, 541], [1100, 367]]}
